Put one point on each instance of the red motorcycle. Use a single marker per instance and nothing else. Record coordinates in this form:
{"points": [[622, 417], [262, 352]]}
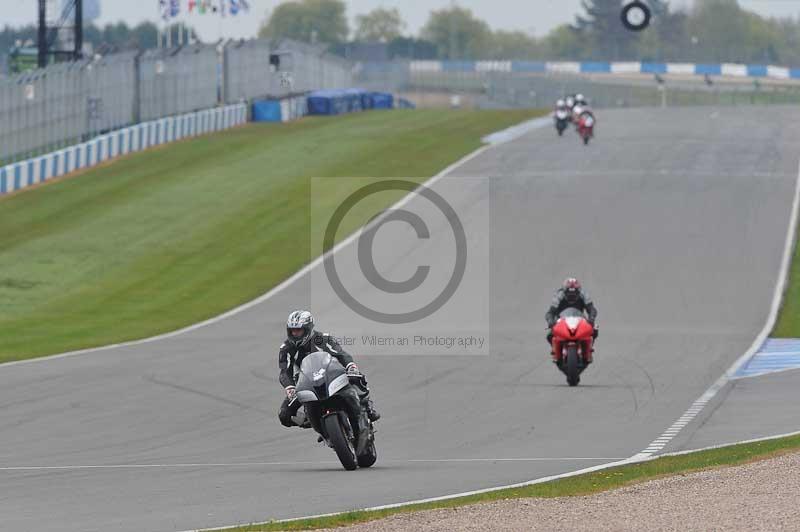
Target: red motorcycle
{"points": [[586, 126], [572, 347]]}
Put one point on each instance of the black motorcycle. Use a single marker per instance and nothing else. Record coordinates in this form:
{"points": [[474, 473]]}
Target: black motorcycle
{"points": [[333, 409]]}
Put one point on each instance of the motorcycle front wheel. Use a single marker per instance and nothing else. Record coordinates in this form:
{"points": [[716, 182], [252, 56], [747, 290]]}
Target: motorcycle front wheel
{"points": [[573, 372], [340, 442], [369, 456]]}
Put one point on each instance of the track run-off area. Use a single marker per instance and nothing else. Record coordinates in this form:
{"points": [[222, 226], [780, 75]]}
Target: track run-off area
{"points": [[674, 219]]}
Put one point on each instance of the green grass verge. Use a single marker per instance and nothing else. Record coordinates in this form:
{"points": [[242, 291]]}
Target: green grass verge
{"points": [[578, 485], [788, 324], [175, 235]]}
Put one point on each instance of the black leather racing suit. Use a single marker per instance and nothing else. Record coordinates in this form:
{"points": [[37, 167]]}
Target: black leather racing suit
{"points": [[560, 302], [291, 356]]}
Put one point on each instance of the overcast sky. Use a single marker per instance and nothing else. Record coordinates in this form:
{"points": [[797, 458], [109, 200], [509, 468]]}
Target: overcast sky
{"points": [[530, 16]]}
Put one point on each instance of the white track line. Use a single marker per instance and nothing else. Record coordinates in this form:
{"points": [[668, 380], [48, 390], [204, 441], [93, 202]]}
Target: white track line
{"points": [[298, 463], [444, 460], [515, 132], [648, 453], [510, 486], [777, 296], [432, 499]]}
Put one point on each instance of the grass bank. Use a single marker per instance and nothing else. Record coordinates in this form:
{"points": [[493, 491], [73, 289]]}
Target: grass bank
{"points": [[578, 485], [175, 235], [788, 324]]}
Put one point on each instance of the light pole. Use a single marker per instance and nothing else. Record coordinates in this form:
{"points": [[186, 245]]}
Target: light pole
{"points": [[452, 32]]}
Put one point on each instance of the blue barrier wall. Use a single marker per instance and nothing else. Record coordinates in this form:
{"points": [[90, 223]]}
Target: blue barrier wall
{"points": [[594, 67], [334, 102], [267, 111]]}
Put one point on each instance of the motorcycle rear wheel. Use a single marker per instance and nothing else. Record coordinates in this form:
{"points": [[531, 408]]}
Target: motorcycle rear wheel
{"points": [[573, 372], [341, 444]]}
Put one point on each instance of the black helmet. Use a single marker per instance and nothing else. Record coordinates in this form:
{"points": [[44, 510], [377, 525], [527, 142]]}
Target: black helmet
{"points": [[299, 320], [572, 289]]}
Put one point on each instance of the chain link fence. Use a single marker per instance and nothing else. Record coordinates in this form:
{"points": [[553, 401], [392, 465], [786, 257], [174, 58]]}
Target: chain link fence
{"points": [[65, 103], [171, 82], [261, 68], [492, 89]]}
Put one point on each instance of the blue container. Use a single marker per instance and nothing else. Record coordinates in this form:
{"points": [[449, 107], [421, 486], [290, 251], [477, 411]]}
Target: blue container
{"points": [[267, 111], [381, 100]]}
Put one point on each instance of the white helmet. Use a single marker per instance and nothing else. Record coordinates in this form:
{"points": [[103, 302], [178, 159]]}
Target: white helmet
{"points": [[560, 103], [580, 98], [299, 327]]}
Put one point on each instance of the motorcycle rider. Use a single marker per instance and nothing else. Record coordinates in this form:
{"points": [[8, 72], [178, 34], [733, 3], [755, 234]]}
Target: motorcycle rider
{"points": [[561, 115], [570, 295], [301, 340]]}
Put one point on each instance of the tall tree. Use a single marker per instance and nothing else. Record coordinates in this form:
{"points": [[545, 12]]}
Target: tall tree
{"points": [[719, 28], [411, 48], [514, 45], [564, 42], [314, 21], [381, 25], [458, 34]]}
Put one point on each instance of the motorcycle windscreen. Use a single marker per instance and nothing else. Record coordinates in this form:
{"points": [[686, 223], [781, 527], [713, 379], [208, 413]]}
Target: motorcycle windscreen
{"points": [[571, 312], [321, 374], [312, 381]]}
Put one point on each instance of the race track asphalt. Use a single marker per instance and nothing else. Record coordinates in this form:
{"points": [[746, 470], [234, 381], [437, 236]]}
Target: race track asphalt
{"points": [[675, 220]]}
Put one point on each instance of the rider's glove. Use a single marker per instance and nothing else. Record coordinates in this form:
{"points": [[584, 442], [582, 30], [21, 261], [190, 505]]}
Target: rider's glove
{"points": [[291, 392], [352, 369]]}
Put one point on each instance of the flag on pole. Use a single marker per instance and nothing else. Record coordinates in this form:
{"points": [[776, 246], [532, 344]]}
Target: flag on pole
{"points": [[169, 8], [237, 6]]}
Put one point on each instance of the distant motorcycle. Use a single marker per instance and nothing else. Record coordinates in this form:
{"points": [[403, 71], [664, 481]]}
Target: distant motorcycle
{"points": [[324, 389], [573, 344], [561, 119], [585, 127]]}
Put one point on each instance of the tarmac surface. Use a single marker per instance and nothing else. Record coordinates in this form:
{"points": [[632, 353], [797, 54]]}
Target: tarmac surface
{"points": [[674, 219]]}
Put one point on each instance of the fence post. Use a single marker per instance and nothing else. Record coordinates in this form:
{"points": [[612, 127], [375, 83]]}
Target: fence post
{"points": [[137, 83], [226, 64]]}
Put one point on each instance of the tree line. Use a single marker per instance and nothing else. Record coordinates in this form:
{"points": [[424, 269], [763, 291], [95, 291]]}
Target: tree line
{"points": [[711, 31]]}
